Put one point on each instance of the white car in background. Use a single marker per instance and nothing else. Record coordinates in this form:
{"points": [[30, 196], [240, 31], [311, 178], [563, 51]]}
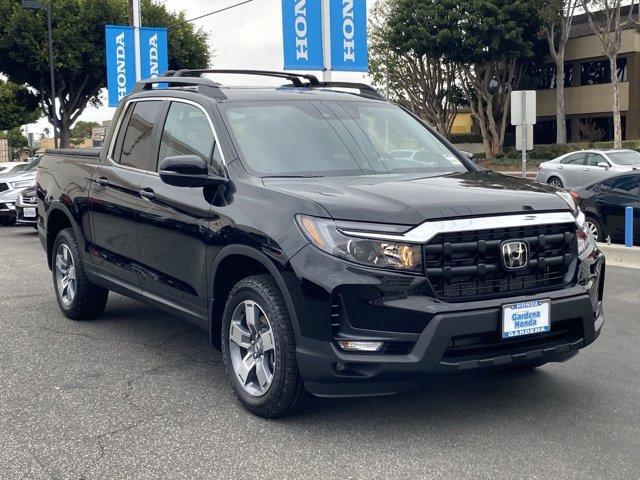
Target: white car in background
{"points": [[11, 185], [578, 169], [6, 167]]}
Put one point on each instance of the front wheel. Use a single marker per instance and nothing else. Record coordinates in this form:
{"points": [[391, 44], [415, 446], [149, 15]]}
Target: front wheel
{"points": [[78, 298], [258, 347]]}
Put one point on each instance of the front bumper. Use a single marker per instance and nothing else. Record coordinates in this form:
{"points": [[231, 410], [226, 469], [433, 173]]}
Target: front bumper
{"points": [[432, 336]]}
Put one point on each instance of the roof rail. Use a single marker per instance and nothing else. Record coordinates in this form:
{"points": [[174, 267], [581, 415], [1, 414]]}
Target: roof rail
{"points": [[203, 85], [364, 89], [294, 78], [193, 78]]}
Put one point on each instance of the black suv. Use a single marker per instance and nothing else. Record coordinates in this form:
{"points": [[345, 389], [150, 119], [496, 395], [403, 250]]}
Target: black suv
{"points": [[329, 241]]}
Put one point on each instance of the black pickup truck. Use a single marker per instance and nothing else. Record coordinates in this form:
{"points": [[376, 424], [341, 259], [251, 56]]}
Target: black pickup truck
{"points": [[329, 241]]}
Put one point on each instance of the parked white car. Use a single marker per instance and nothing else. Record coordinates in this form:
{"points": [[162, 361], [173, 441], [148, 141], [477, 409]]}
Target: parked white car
{"points": [[578, 169], [11, 184], [6, 167]]}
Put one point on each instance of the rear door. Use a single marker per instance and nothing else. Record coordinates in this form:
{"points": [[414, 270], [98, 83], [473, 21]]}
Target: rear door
{"points": [[114, 199], [174, 221]]}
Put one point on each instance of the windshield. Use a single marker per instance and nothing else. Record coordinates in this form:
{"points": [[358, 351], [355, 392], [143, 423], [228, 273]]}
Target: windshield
{"points": [[32, 165], [331, 138], [627, 157]]}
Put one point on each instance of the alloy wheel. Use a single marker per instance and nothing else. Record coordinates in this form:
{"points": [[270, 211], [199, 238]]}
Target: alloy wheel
{"points": [[252, 348], [555, 182], [65, 275], [593, 228]]}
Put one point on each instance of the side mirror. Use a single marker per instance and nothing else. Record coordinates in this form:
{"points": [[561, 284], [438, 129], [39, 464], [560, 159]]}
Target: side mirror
{"points": [[187, 171], [604, 165]]}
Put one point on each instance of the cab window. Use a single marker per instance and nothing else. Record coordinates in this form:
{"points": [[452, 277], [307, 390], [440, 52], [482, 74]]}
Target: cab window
{"points": [[187, 132], [137, 145]]}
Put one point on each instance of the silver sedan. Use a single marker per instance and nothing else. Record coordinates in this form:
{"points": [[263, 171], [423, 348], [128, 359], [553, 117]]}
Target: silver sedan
{"points": [[578, 169]]}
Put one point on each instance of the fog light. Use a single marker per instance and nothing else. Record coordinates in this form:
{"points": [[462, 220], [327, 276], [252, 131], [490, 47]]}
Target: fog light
{"points": [[351, 346]]}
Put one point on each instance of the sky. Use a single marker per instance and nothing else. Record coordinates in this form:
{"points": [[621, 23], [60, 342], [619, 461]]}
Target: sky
{"points": [[249, 37]]}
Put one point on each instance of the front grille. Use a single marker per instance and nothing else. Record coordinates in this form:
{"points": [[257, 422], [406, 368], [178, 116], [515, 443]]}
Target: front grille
{"points": [[4, 187], [465, 266]]}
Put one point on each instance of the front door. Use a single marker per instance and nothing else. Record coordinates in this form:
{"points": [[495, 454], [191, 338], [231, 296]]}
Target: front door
{"points": [[174, 221], [624, 192], [114, 197]]}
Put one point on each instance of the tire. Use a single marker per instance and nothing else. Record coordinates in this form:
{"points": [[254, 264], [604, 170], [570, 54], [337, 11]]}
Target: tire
{"points": [[556, 182], [281, 393], [7, 221], [88, 300], [596, 228]]}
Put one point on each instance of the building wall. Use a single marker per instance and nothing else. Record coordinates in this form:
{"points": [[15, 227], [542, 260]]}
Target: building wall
{"points": [[463, 123], [588, 99]]}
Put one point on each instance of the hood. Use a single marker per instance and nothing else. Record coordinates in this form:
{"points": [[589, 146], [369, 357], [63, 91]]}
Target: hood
{"points": [[17, 176], [412, 199]]}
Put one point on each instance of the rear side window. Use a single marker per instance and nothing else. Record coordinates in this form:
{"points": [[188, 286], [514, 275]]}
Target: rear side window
{"points": [[137, 145], [575, 159], [186, 132], [626, 185]]}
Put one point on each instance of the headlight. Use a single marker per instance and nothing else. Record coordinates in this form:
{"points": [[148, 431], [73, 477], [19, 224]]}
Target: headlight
{"points": [[23, 183], [324, 234], [569, 199], [585, 237]]}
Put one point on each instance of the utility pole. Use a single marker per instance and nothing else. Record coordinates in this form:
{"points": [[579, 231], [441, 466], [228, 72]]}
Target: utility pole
{"points": [[326, 41], [35, 5], [134, 21]]}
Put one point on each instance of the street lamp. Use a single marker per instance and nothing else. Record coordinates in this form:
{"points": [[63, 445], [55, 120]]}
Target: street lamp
{"points": [[35, 5]]}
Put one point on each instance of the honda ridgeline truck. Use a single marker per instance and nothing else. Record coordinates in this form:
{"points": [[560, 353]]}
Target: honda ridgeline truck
{"points": [[330, 242]]}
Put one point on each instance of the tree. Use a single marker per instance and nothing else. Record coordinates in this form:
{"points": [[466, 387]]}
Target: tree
{"points": [[16, 138], [78, 37], [557, 17], [607, 22], [416, 74], [83, 129], [488, 41], [17, 106]]}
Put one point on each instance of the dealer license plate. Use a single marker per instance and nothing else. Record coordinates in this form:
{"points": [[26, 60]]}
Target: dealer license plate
{"points": [[30, 212], [526, 318]]}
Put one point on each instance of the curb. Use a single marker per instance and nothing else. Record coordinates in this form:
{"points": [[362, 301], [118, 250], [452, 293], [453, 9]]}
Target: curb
{"points": [[621, 256]]}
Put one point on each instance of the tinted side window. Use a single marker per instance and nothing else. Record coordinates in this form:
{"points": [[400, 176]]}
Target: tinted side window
{"points": [[186, 132], [575, 159], [593, 159], [137, 147], [627, 184], [126, 115]]}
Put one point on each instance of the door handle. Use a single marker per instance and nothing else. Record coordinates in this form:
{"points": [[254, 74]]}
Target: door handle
{"points": [[104, 181], [587, 169], [147, 193]]}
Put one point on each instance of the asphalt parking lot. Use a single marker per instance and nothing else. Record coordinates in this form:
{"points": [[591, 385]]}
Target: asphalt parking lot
{"points": [[140, 394]]}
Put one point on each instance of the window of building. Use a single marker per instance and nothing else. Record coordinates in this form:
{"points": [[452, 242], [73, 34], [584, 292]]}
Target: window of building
{"points": [[598, 72], [545, 76], [138, 141]]}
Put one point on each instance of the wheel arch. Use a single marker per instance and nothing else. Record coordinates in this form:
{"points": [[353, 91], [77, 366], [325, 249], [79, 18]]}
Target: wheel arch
{"points": [[230, 265], [58, 218]]}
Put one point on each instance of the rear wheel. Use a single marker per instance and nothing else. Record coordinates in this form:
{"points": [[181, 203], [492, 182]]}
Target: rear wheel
{"points": [[596, 229], [556, 182], [258, 346], [78, 298]]}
